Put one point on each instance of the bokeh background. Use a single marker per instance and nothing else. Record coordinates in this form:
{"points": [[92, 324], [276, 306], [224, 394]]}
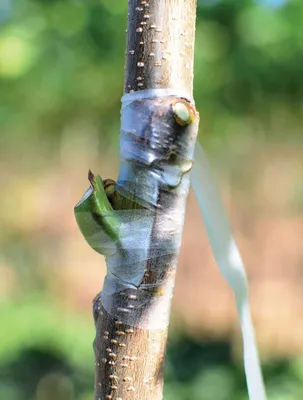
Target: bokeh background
{"points": [[61, 80]]}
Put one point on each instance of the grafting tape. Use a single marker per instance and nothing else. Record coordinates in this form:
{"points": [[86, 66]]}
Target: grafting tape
{"points": [[147, 305], [142, 148]]}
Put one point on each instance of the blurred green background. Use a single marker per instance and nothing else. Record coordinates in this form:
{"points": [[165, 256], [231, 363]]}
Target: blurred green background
{"points": [[61, 80]]}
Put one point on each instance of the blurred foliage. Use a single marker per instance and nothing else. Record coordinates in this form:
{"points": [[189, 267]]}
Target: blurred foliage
{"points": [[61, 73]]}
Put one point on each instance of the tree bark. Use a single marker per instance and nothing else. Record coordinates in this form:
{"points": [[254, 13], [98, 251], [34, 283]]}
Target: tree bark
{"points": [[129, 356], [160, 44]]}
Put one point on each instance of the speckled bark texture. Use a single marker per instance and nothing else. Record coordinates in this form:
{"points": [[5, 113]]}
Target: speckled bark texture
{"points": [[129, 361], [160, 43]]}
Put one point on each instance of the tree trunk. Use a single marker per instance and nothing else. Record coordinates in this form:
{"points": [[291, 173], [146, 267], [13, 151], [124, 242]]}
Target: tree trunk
{"points": [[131, 322]]}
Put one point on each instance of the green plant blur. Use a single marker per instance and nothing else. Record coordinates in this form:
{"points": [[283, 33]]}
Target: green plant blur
{"points": [[61, 80]]}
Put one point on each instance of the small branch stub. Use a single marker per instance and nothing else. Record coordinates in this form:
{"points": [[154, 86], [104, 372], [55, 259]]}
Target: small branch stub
{"points": [[182, 114]]}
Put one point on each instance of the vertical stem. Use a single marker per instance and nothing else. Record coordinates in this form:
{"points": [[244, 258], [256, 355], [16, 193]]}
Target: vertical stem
{"points": [[160, 46]]}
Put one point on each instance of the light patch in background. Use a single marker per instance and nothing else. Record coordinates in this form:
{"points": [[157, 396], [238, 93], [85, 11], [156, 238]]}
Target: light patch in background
{"points": [[5, 10], [16, 55], [272, 3]]}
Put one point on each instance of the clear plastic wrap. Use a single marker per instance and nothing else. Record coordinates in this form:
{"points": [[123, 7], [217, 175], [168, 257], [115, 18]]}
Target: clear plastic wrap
{"points": [[146, 143]]}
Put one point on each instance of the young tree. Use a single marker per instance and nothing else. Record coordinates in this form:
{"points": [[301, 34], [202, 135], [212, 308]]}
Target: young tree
{"points": [[137, 222]]}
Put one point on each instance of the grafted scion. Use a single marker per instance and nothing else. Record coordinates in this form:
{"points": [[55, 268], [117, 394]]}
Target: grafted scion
{"points": [[137, 221]]}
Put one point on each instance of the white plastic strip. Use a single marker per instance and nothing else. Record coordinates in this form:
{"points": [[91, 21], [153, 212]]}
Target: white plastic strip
{"points": [[230, 263]]}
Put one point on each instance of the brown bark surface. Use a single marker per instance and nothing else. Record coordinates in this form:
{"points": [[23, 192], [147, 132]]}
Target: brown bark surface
{"points": [[160, 44]]}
